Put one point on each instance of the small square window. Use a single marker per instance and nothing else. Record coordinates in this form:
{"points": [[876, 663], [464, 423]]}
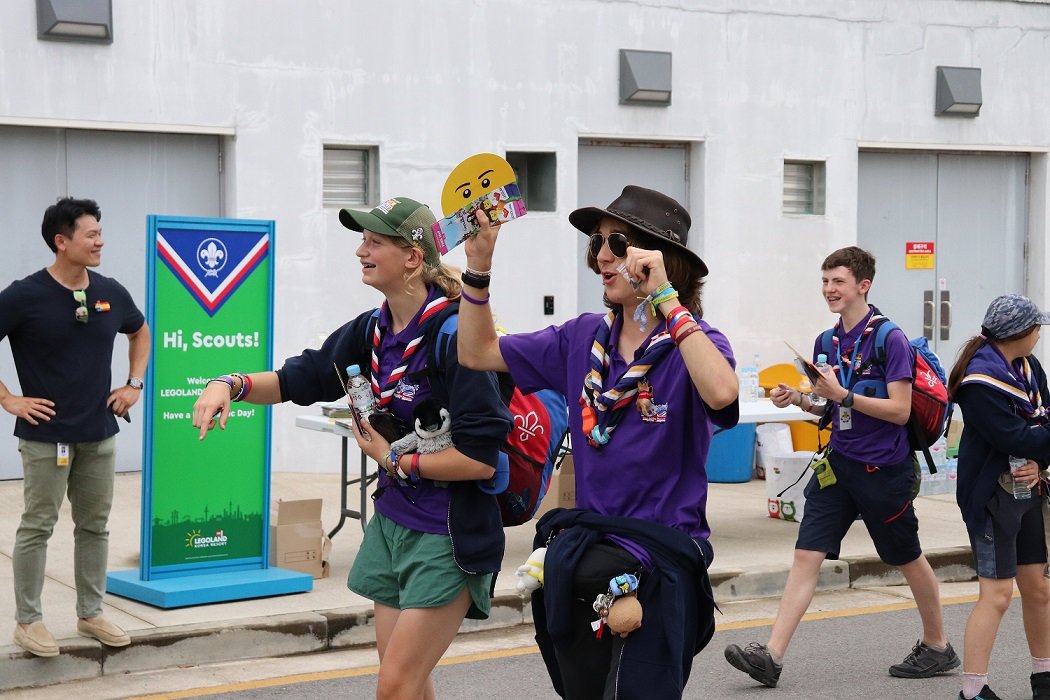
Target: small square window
{"points": [[803, 187], [350, 175], [537, 176]]}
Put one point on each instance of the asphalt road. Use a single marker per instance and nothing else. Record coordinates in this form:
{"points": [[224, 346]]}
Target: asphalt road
{"points": [[843, 655]]}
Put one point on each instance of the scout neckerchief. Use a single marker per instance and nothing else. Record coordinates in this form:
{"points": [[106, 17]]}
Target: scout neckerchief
{"points": [[850, 363], [603, 411], [386, 395], [990, 368]]}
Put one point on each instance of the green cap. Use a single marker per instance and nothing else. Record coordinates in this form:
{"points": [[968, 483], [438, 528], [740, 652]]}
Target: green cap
{"points": [[398, 216]]}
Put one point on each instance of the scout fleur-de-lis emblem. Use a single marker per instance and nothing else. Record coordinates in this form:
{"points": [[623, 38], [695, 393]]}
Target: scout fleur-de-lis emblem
{"points": [[211, 256], [417, 234], [529, 425]]}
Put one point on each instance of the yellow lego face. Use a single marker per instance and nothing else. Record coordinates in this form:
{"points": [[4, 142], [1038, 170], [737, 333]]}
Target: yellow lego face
{"points": [[474, 177]]}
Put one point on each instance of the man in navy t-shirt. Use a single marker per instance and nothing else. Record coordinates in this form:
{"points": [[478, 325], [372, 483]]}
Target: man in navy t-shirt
{"points": [[61, 322], [870, 472]]}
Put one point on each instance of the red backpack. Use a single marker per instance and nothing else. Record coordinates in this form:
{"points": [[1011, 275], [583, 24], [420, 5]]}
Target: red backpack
{"points": [[930, 408]]}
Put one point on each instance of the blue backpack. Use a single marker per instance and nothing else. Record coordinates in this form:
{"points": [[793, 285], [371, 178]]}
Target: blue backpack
{"points": [[533, 447], [931, 410]]}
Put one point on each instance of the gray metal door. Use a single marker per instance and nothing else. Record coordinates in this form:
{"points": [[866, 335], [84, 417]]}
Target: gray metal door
{"points": [[973, 209], [603, 169], [131, 175]]}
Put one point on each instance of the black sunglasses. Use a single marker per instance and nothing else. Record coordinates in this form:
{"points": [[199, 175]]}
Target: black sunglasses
{"points": [[80, 297], [617, 244]]}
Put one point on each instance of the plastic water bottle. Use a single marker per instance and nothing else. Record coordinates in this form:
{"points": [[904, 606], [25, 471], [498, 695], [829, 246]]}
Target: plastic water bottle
{"points": [[360, 392], [1020, 488], [818, 401]]}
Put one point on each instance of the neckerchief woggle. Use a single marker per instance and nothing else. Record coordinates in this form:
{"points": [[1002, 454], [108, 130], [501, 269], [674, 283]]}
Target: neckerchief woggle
{"points": [[603, 410]]}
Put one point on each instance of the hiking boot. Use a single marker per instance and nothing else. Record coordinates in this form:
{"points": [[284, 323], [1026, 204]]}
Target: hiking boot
{"points": [[756, 661], [985, 694], [924, 662], [1041, 685]]}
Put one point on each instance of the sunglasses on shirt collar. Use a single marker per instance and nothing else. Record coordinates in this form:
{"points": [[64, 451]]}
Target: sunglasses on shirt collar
{"points": [[617, 244], [80, 297]]}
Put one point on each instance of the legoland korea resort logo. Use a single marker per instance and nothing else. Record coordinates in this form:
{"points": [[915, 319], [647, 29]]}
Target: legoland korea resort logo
{"points": [[194, 540], [211, 264]]}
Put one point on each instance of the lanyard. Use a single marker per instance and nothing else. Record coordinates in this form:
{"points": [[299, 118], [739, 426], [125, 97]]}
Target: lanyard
{"points": [[847, 369]]}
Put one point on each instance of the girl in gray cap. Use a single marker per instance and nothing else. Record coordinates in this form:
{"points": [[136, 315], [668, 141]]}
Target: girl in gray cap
{"points": [[1002, 391]]}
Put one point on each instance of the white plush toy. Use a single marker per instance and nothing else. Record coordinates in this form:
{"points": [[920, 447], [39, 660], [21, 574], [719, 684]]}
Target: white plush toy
{"points": [[530, 574]]}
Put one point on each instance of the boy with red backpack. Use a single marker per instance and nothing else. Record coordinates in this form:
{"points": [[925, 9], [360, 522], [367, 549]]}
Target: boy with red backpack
{"points": [[868, 470]]}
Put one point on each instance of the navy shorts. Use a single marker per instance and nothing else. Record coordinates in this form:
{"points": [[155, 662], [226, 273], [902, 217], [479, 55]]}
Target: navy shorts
{"points": [[1013, 534], [880, 495]]}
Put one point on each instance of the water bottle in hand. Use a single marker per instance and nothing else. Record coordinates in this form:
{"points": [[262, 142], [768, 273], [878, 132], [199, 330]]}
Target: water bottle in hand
{"points": [[359, 391], [1020, 486], [819, 401]]}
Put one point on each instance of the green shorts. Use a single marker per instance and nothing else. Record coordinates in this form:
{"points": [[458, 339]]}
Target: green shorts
{"points": [[403, 568]]}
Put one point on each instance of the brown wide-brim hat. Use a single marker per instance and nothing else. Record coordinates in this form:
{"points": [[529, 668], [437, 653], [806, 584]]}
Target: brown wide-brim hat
{"points": [[649, 212]]}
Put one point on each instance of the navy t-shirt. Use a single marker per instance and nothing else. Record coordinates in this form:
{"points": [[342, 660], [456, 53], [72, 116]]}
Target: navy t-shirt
{"points": [[63, 360]]}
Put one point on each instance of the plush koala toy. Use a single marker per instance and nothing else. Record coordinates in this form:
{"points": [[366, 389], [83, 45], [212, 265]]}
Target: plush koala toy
{"points": [[530, 574], [432, 430]]}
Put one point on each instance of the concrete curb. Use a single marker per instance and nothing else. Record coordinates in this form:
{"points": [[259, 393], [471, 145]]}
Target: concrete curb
{"points": [[344, 628]]}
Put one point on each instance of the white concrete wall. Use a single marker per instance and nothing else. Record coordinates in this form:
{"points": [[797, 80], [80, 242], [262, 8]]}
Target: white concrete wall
{"points": [[429, 83]]}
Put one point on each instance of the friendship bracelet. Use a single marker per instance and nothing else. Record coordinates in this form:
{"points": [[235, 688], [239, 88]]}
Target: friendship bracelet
{"points": [[476, 281], [479, 273], [686, 333], [225, 379], [675, 311], [472, 300]]}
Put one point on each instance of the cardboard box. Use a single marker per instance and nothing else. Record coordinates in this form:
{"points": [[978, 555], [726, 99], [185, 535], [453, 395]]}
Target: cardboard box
{"points": [[297, 539], [561, 492]]}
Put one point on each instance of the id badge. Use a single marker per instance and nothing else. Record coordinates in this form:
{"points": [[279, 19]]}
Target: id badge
{"points": [[845, 418], [62, 459], [825, 475]]}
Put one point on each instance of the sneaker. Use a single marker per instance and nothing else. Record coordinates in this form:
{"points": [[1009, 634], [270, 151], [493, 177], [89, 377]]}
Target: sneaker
{"points": [[36, 639], [924, 662], [104, 631], [1041, 685], [756, 661], [985, 694]]}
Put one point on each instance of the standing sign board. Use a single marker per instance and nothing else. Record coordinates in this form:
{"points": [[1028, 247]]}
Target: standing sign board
{"points": [[205, 514]]}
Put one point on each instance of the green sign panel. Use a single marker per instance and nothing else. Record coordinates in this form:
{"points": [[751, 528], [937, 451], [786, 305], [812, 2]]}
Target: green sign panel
{"points": [[206, 503]]}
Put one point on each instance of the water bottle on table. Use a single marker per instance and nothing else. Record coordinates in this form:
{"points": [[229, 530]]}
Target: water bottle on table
{"points": [[818, 401], [1020, 487]]}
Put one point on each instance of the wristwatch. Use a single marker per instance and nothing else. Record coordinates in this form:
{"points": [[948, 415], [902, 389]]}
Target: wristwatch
{"points": [[135, 382], [847, 401]]}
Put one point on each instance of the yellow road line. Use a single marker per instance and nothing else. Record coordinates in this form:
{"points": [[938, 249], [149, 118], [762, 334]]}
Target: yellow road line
{"points": [[505, 654]]}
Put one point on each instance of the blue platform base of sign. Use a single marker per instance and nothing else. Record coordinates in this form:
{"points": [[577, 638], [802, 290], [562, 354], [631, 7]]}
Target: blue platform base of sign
{"points": [[198, 589]]}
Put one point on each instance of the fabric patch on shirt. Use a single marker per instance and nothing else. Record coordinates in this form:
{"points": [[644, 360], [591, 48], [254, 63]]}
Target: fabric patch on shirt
{"points": [[406, 391], [657, 414]]}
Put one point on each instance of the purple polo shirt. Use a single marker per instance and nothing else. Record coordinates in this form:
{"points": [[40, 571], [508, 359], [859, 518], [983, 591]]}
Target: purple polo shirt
{"points": [[651, 469], [871, 440], [425, 507]]}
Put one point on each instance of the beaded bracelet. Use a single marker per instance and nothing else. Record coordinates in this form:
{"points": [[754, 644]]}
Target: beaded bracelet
{"points": [[476, 280], [686, 333], [479, 273], [472, 300]]}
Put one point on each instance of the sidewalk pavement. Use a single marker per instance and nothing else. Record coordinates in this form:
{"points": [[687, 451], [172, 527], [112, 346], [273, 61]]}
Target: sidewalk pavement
{"points": [[752, 556]]}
